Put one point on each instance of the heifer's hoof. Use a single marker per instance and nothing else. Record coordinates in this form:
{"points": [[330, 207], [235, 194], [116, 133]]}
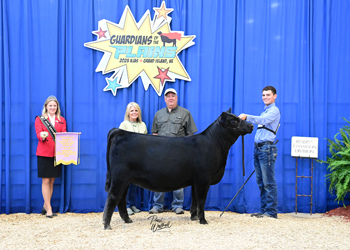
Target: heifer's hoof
{"points": [[194, 217], [108, 227], [128, 220], [203, 222]]}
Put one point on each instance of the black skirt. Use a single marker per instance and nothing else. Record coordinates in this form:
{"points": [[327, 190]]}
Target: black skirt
{"points": [[46, 169]]}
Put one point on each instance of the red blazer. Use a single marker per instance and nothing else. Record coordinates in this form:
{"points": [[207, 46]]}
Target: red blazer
{"points": [[47, 148]]}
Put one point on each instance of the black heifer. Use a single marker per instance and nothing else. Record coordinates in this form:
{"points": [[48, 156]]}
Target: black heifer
{"points": [[164, 164]]}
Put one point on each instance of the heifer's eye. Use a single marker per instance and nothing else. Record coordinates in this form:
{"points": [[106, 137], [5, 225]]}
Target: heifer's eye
{"points": [[234, 122]]}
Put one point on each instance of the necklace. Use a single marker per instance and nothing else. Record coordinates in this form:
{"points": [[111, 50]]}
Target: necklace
{"points": [[135, 124]]}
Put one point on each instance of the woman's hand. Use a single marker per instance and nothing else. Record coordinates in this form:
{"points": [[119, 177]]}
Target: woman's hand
{"points": [[43, 135]]}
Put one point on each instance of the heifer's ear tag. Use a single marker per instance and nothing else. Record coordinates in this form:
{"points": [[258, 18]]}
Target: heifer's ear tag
{"points": [[229, 111]]}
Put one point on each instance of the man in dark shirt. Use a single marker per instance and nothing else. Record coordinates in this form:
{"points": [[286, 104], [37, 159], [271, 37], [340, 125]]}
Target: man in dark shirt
{"points": [[172, 121]]}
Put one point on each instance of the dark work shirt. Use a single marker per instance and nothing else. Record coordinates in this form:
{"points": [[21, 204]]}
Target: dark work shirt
{"points": [[178, 122]]}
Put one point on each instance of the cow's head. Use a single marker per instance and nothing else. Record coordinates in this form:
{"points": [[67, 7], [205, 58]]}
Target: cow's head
{"points": [[233, 122]]}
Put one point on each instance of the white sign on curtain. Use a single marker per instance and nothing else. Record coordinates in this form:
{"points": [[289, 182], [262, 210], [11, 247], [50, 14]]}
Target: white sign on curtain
{"points": [[304, 147]]}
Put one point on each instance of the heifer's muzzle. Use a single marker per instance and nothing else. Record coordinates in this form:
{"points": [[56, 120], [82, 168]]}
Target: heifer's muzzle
{"points": [[247, 127]]}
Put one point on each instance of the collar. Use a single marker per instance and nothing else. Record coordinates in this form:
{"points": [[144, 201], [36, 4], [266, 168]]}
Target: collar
{"points": [[174, 109], [270, 106], [54, 117]]}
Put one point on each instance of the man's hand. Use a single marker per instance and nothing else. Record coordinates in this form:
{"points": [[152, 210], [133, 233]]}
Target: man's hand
{"points": [[243, 116]]}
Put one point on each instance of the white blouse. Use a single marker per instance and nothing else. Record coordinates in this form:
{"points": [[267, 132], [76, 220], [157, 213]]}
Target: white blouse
{"points": [[52, 119]]}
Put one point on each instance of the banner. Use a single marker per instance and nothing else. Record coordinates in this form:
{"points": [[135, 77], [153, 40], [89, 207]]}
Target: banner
{"points": [[67, 148], [148, 49]]}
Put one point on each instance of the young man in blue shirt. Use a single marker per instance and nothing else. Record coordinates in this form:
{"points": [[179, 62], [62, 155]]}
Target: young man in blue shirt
{"points": [[265, 152]]}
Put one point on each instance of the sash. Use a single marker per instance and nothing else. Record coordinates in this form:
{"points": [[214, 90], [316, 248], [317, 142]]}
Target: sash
{"points": [[48, 126]]}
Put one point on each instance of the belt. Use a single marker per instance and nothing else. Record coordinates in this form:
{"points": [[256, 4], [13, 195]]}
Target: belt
{"points": [[260, 144]]}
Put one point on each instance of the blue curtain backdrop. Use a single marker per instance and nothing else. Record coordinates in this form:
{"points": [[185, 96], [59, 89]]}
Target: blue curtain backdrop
{"points": [[300, 47]]}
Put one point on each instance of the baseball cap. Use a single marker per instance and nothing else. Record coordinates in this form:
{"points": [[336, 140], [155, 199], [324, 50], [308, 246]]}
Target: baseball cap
{"points": [[170, 90]]}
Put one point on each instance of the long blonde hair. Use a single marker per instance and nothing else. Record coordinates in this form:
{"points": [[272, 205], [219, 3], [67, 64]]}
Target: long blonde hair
{"points": [[58, 111], [127, 112]]}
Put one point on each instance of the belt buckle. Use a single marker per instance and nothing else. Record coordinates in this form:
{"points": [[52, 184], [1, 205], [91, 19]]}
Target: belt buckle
{"points": [[260, 144]]}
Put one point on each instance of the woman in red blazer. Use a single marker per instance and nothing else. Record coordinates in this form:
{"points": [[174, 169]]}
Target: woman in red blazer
{"points": [[46, 150]]}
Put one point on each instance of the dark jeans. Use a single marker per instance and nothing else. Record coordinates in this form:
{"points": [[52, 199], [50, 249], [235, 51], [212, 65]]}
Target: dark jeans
{"points": [[264, 163]]}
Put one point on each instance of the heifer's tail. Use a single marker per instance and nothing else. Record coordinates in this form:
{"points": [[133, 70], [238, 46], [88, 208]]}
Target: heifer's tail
{"points": [[111, 134]]}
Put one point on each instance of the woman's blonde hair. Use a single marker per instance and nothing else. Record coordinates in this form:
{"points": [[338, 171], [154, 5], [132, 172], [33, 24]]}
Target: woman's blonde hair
{"points": [[58, 111], [127, 112]]}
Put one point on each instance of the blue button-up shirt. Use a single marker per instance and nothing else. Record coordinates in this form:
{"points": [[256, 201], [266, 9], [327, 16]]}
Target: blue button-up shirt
{"points": [[270, 117]]}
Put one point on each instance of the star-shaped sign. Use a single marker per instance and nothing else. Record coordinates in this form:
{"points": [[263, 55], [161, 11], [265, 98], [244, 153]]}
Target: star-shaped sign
{"points": [[162, 75], [112, 85], [100, 33], [163, 11], [136, 49]]}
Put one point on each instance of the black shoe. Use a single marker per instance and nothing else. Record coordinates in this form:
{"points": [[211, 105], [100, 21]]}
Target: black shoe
{"points": [[256, 215], [266, 216], [54, 214], [49, 216], [43, 211]]}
